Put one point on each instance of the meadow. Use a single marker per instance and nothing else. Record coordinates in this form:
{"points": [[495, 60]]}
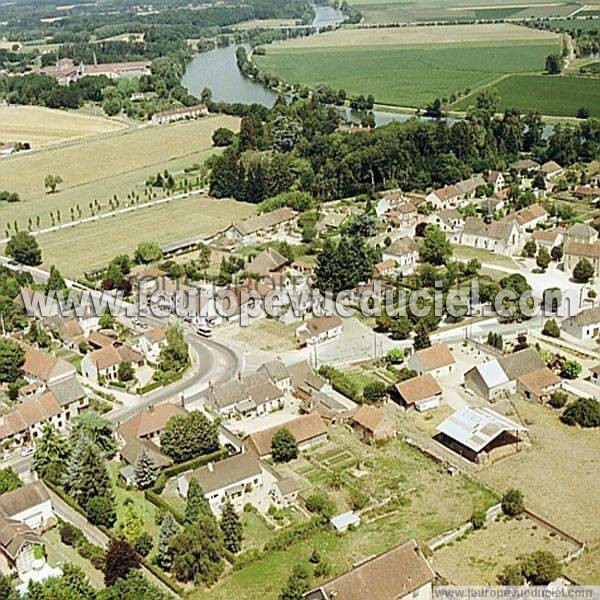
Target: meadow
{"points": [[98, 242], [574, 24], [101, 168], [560, 96], [415, 75], [43, 126]]}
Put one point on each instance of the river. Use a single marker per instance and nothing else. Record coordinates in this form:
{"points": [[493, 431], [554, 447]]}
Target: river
{"points": [[217, 69]]}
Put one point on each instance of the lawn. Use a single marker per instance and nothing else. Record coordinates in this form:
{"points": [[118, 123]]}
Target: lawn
{"points": [[42, 126], [269, 335], [559, 478], [100, 168], [415, 75], [478, 558], [257, 531], [433, 502], [560, 96], [98, 242], [484, 256]]}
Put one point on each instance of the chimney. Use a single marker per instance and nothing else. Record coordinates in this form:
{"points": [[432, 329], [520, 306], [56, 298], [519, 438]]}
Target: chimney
{"points": [[211, 467]]}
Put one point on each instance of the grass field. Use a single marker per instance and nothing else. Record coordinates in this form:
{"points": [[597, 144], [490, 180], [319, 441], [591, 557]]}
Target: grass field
{"points": [[102, 167], [92, 245], [484, 256], [559, 480], [481, 556], [42, 126], [560, 96], [414, 75], [573, 24]]}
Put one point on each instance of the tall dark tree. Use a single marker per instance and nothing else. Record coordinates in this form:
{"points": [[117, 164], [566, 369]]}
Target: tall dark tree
{"points": [[231, 527], [196, 503], [120, 559], [24, 248]]}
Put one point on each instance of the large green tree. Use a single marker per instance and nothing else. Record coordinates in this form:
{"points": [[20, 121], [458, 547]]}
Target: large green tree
{"points": [[196, 503], [51, 456], [166, 533], [92, 426], [175, 355], [145, 471], [87, 475], [9, 480], [189, 436], [297, 585], [12, 358], [232, 529], [24, 248], [284, 446], [435, 249]]}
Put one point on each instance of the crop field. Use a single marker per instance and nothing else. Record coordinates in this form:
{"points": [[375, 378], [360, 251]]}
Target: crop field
{"points": [[398, 11], [103, 167], [42, 126], [560, 96], [559, 480], [479, 557], [92, 245], [414, 75], [574, 24]]}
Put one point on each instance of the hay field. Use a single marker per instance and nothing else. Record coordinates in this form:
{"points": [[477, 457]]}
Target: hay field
{"points": [[43, 126], [559, 478], [92, 245], [103, 167], [415, 75], [427, 34]]}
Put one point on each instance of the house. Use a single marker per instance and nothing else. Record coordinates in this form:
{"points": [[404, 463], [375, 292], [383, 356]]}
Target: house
{"points": [[521, 363], [402, 572], [436, 360], [403, 215], [548, 238], [449, 220], [104, 363], [388, 202], [498, 236], [267, 262], [149, 422], [17, 546], [488, 381], [46, 368], [476, 432], [539, 385], [151, 343], [446, 197], [405, 252], [581, 233], [585, 325], [308, 430], [278, 374], [531, 216], [240, 479], [587, 193], [318, 330], [130, 452], [525, 166], [468, 187], [285, 492], [550, 170], [422, 392], [253, 229], [66, 70], [573, 252], [97, 340], [71, 333], [595, 374], [29, 504], [496, 179], [385, 268], [372, 424], [177, 114], [342, 522], [331, 221]]}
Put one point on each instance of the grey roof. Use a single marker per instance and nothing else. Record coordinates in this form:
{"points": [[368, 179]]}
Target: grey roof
{"points": [[492, 373], [497, 230], [266, 262], [67, 391], [341, 522], [132, 448], [475, 428], [581, 230], [265, 221], [471, 184], [588, 316], [520, 363], [14, 535], [402, 246], [256, 387], [23, 498], [302, 374], [275, 370], [227, 472]]}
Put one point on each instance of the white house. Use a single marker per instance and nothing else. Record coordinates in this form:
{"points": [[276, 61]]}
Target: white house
{"points": [[177, 114], [575, 251], [405, 252], [318, 330], [29, 504], [422, 392], [104, 363], [496, 178], [436, 360], [388, 202], [151, 343], [551, 170], [584, 325], [497, 236]]}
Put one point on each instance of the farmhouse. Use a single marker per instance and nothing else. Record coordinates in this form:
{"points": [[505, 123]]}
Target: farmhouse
{"points": [[331, 221], [104, 363], [404, 252], [66, 70], [388, 202], [240, 479], [148, 423], [308, 430], [449, 220], [531, 216], [267, 262], [488, 380], [539, 384], [468, 187], [372, 424], [318, 330], [436, 361], [423, 392], [521, 363], [575, 251], [497, 236], [476, 432], [584, 325], [403, 215], [71, 333], [251, 230], [402, 572], [97, 340], [178, 114], [551, 170], [446, 197], [385, 268], [525, 166], [587, 193], [43, 367]]}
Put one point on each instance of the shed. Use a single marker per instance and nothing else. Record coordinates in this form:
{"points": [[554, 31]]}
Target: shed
{"points": [[342, 522]]}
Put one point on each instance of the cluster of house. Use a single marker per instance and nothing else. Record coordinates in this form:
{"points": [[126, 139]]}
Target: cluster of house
{"points": [[65, 70], [179, 114]]}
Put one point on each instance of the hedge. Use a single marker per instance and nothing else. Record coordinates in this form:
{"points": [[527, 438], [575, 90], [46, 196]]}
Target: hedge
{"points": [[341, 383], [156, 571], [149, 387], [158, 501]]}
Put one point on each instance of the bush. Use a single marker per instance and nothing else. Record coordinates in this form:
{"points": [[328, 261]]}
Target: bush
{"points": [[320, 504], [558, 399], [551, 329], [571, 369], [341, 383], [584, 412], [512, 503], [143, 544], [290, 535], [478, 519], [67, 534], [373, 391]]}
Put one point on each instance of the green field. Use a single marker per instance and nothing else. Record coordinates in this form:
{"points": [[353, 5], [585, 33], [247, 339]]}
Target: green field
{"points": [[406, 75], [560, 96], [574, 24]]}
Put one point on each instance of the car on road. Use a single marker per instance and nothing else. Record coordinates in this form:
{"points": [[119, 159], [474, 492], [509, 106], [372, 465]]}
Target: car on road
{"points": [[204, 331]]}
